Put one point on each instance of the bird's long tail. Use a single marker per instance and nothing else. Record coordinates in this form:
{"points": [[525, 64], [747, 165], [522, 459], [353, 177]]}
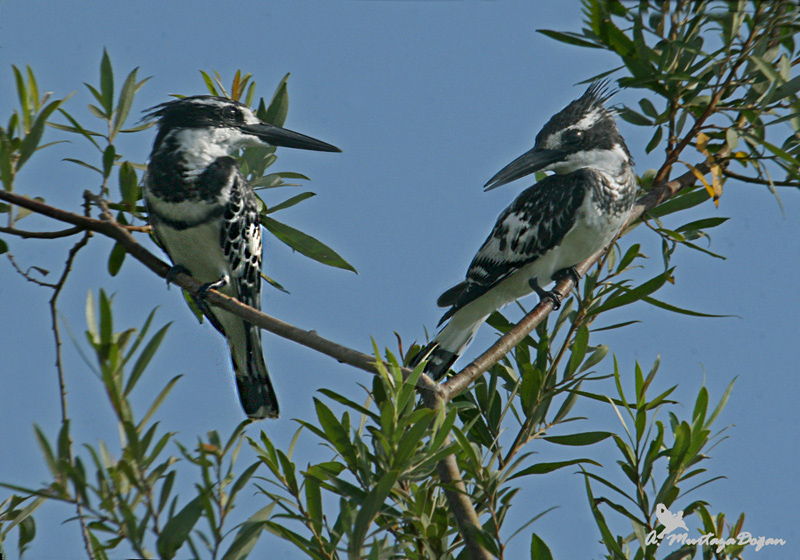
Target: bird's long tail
{"points": [[445, 348], [252, 379]]}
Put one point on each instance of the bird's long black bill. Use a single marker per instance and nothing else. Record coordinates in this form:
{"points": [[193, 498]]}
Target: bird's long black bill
{"points": [[529, 162], [277, 136]]}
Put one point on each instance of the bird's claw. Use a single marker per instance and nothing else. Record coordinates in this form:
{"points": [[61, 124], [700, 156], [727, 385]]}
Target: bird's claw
{"points": [[174, 271], [570, 272], [202, 291], [553, 295]]}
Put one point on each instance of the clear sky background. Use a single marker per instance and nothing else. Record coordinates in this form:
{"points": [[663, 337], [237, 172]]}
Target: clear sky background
{"points": [[427, 100]]}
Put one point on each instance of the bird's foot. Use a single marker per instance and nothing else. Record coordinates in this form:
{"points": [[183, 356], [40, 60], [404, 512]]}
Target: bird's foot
{"points": [[174, 271], [553, 295], [570, 272], [202, 291]]}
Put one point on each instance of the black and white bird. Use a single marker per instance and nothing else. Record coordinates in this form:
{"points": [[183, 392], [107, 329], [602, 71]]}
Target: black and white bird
{"points": [[205, 216], [551, 227]]}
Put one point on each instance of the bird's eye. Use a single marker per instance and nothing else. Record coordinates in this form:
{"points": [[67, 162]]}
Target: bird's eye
{"points": [[573, 136], [231, 113]]}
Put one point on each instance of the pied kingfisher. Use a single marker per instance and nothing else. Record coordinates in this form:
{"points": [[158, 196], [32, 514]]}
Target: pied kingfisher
{"points": [[551, 227], [205, 216]]}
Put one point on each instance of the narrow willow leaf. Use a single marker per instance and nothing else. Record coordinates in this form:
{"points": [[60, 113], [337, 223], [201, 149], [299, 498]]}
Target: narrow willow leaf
{"points": [[568, 38], [678, 203], [31, 141], [128, 184], [116, 258], [209, 84], [24, 97], [278, 106], [248, 534], [632, 295], [585, 438], [369, 508], [144, 358], [305, 244], [124, 104], [106, 84], [674, 309], [539, 550], [290, 202], [178, 528], [544, 468]]}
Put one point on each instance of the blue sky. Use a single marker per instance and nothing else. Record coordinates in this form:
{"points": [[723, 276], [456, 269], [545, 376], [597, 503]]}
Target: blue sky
{"points": [[427, 100]]}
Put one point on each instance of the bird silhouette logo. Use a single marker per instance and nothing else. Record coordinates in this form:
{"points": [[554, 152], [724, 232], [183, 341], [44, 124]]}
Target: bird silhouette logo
{"points": [[670, 521]]}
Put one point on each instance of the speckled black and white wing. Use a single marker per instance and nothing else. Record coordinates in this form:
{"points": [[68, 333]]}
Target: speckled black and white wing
{"points": [[535, 223], [240, 241]]}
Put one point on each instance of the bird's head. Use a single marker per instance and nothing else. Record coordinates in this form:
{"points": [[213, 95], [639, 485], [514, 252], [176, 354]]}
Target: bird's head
{"points": [[206, 122], [582, 134]]}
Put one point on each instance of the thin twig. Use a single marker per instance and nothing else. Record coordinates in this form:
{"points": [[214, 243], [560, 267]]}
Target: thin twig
{"points": [[41, 234], [26, 275], [759, 181]]}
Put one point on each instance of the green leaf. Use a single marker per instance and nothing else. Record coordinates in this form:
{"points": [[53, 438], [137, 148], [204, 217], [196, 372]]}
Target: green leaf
{"points": [[31, 141], [159, 399], [629, 296], [47, 451], [289, 202], [655, 140], [789, 88], [544, 468], [335, 433], [124, 104], [314, 503], [648, 108], [368, 509], [248, 534], [144, 358], [706, 223], [3, 247], [212, 89], [6, 168], [116, 258], [84, 164], [721, 404], [681, 202], [578, 351], [608, 537], [178, 528], [585, 438], [674, 309], [128, 184], [278, 106], [109, 156], [106, 84], [350, 404], [634, 117], [76, 128], [305, 244], [22, 93], [539, 550], [568, 38]]}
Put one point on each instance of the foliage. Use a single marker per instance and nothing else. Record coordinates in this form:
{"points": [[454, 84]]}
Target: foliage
{"points": [[717, 78]]}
